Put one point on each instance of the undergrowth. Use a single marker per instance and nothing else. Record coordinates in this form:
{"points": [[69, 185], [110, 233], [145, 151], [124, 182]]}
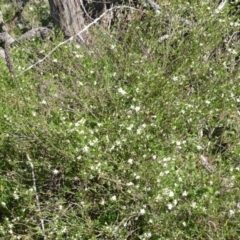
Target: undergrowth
{"points": [[133, 137]]}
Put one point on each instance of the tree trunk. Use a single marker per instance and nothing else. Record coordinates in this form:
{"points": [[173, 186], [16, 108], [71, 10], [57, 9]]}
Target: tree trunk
{"points": [[69, 16]]}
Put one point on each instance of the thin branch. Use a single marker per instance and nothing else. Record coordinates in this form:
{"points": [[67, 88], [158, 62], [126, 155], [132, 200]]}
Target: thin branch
{"points": [[154, 6], [206, 164], [72, 38], [36, 193], [221, 6]]}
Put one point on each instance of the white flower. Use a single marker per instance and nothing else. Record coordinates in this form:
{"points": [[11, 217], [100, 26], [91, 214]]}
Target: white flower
{"points": [[175, 78], [121, 91], [102, 202], [79, 56], [170, 206], [185, 193], [55, 171], [113, 198], [178, 143], [199, 147], [193, 204], [55, 60], [129, 128], [171, 194], [79, 83], [129, 184], [142, 211], [130, 161], [85, 149], [16, 196], [147, 235], [137, 108], [168, 192], [231, 213], [44, 102], [136, 176]]}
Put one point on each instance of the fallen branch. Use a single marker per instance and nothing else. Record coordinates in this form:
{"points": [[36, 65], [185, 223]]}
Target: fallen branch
{"points": [[76, 35]]}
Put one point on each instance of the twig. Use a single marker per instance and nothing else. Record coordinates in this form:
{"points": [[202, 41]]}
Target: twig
{"points": [[154, 6], [221, 6], [206, 164], [8, 58], [36, 193]]}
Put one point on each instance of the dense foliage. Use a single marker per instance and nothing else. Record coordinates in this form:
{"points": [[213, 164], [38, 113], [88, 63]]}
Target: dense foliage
{"points": [[133, 136]]}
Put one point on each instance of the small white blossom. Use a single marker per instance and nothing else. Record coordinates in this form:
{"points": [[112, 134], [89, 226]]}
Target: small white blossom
{"points": [[102, 202], [185, 193], [142, 211], [170, 206], [55, 171], [112, 46], [129, 128], [121, 91], [147, 235], [113, 198], [130, 161], [16, 196], [64, 230], [79, 56], [129, 184], [175, 78], [85, 149], [199, 147], [231, 213], [168, 192], [171, 194], [193, 204], [137, 108]]}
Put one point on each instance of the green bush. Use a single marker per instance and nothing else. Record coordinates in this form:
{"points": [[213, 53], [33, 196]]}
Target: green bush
{"points": [[133, 137]]}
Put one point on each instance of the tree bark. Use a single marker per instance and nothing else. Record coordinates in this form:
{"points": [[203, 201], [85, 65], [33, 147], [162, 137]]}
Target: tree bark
{"points": [[68, 15]]}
